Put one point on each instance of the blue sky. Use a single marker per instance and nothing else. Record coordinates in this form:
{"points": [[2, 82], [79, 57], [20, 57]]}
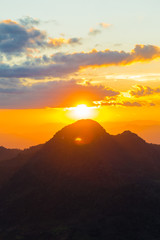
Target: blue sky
{"points": [[133, 22]]}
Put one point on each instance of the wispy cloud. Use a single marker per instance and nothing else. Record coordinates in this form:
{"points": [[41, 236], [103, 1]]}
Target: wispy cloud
{"points": [[28, 21], [58, 42], [94, 32], [104, 25], [98, 30], [140, 91], [118, 103], [123, 103]]}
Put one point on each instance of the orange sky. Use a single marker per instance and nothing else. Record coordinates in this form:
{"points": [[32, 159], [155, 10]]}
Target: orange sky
{"points": [[24, 128]]}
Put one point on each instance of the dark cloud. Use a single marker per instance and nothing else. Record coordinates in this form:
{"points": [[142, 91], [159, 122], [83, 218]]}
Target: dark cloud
{"points": [[145, 52], [140, 91], [108, 57], [22, 37], [51, 94], [12, 86], [74, 41], [29, 70], [62, 64], [15, 38], [12, 82]]}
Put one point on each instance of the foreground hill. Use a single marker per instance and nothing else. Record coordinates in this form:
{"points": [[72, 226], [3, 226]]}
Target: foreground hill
{"points": [[84, 184]]}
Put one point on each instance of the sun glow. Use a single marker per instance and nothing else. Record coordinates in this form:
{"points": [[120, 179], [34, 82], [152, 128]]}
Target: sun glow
{"points": [[78, 141], [82, 111]]}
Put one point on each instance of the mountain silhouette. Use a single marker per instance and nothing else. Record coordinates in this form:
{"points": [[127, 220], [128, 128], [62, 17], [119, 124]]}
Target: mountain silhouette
{"points": [[6, 153], [84, 184], [11, 160]]}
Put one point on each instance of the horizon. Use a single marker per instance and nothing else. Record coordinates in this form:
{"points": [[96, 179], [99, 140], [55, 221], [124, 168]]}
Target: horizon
{"points": [[52, 134]]}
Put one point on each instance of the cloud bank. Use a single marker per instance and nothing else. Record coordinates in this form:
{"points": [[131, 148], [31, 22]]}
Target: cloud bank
{"points": [[61, 64], [14, 94]]}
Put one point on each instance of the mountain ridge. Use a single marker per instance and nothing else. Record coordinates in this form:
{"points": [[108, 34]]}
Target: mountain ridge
{"points": [[98, 182]]}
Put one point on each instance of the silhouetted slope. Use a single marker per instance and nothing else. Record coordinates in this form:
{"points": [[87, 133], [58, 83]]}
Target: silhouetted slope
{"points": [[18, 159], [85, 184], [6, 153], [146, 156]]}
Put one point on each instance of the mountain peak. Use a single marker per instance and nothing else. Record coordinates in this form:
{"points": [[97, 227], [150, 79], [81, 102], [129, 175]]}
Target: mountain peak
{"points": [[129, 137], [81, 132], [130, 134]]}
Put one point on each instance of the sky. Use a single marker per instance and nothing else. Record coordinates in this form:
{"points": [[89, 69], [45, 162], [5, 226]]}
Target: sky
{"points": [[56, 55]]}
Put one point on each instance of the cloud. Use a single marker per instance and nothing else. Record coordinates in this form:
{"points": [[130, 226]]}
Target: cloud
{"points": [[61, 64], [15, 38], [131, 104], [18, 94], [58, 42], [115, 103], [22, 37], [104, 25], [94, 32], [28, 21], [74, 41], [140, 91], [14, 94], [36, 70], [145, 52], [140, 53]]}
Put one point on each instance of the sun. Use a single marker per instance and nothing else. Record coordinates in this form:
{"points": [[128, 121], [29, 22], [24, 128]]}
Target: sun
{"points": [[82, 111]]}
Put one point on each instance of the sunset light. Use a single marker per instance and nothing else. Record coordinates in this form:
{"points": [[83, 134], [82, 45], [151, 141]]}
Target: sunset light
{"points": [[82, 111], [78, 141]]}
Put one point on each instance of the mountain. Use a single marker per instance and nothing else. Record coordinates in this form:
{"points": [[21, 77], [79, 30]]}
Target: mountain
{"points": [[12, 160], [84, 184], [6, 153]]}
